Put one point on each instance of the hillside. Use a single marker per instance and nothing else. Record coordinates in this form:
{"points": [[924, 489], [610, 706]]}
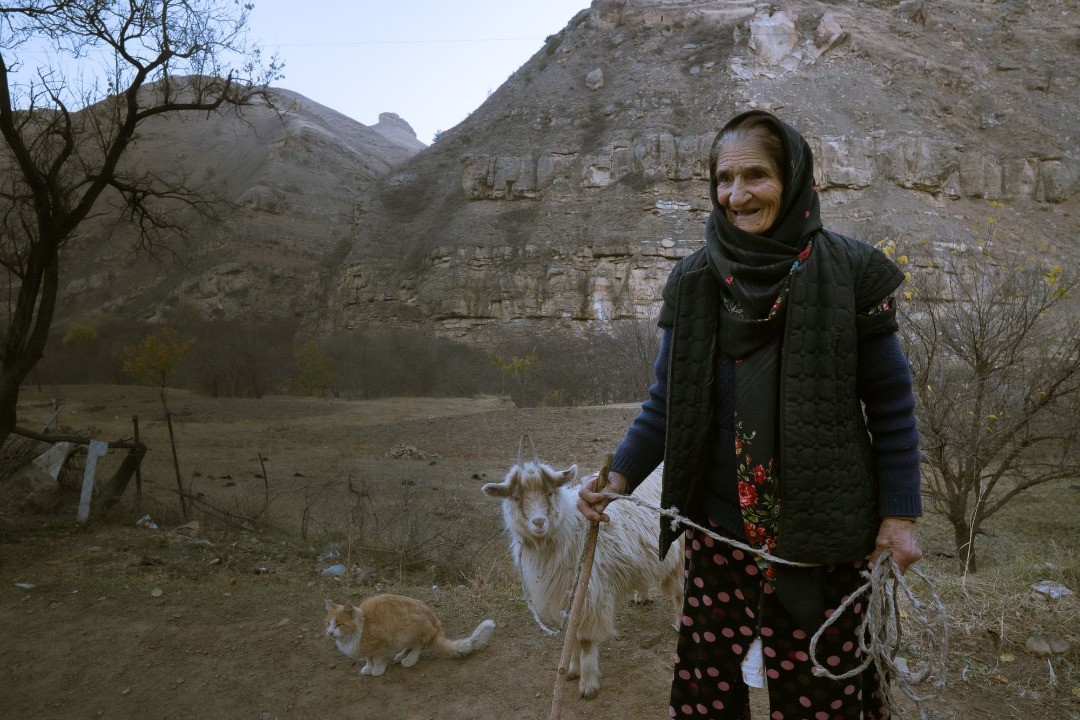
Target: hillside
{"points": [[565, 198], [288, 177]]}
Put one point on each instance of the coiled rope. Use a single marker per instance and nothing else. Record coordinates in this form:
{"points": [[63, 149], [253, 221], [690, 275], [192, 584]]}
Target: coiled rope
{"points": [[880, 630]]}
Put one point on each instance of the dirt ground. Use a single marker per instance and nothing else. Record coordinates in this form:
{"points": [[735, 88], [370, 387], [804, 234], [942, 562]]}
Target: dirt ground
{"points": [[122, 621]]}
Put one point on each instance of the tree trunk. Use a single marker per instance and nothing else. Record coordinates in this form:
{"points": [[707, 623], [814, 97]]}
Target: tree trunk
{"points": [[27, 331], [9, 399]]}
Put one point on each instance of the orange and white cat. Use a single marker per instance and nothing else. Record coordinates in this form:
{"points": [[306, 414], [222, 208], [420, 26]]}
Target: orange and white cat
{"points": [[395, 626]]}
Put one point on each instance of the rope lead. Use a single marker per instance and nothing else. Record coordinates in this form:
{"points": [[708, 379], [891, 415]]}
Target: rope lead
{"points": [[879, 632]]}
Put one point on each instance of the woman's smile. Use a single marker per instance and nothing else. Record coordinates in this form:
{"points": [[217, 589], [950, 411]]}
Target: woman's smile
{"points": [[748, 185]]}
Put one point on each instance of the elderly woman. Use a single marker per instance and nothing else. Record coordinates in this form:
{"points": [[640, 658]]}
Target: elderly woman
{"points": [[784, 412]]}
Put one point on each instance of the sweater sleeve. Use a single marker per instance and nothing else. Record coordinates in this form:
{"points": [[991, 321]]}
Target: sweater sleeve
{"points": [[643, 447], [885, 387]]}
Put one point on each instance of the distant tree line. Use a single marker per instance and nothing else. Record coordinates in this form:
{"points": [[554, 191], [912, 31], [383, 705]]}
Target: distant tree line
{"points": [[233, 358]]}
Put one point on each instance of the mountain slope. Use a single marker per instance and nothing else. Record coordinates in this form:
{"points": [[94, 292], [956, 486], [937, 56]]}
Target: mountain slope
{"points": [[565, 198], [289, 178]]}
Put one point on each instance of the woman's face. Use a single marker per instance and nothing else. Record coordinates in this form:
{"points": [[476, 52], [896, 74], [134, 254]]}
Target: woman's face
{"points": [[748, 184]]}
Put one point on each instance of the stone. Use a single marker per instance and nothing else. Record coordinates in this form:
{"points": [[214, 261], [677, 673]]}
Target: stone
{"points": [[913, 11], [607, 14], [829, 34], [190, 529], [844, 162], [333, 571], [919, 162], [1052, 591], [595, 79], [773, 36], [44, 492], [402, 450], [980, 175], [1046, 644], [1059, 178]]}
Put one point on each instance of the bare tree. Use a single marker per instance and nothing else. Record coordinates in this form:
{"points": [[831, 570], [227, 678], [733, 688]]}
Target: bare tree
{"points": [[66, 135], [233, 358], [636, 343], [995, 350]]}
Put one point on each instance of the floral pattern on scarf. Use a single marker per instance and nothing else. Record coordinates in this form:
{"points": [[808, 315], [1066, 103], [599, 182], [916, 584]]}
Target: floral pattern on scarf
{"points": [[759, 496]]}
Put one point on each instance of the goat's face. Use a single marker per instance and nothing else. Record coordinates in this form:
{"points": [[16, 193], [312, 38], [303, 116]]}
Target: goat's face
{"points": [[529, 491]]}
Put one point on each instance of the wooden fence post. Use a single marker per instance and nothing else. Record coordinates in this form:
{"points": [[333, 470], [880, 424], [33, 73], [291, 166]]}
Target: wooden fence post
{"points": [[176, 467], [93, 452]]}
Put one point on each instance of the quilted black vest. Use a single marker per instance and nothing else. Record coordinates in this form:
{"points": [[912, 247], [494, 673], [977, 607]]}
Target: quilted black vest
{"points": [[828, 487]]}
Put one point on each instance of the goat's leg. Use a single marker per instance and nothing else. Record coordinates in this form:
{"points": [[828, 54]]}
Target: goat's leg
{"points": [[597, 625], [574, 669], [589, 685], [672, 586]]}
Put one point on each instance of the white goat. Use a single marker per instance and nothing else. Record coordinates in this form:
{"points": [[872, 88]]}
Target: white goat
{"points": [[547, 534]]}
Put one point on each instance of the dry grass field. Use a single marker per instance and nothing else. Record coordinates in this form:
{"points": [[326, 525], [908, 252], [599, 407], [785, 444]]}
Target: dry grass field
{"points": [[115, 620]]}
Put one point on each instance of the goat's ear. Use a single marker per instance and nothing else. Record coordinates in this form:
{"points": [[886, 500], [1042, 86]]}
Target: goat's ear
{"points": [[329, 604], [497, 490], [568, 475]]}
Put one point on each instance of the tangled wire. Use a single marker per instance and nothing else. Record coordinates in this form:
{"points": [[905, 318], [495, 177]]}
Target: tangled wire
{"points": [[880, 631]]}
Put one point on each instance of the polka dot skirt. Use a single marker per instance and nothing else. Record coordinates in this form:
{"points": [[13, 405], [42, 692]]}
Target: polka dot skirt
{"points": [[727, 603]]}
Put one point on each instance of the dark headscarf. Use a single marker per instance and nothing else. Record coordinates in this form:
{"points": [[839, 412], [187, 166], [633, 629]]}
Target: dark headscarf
{"points": [[753, 268]]}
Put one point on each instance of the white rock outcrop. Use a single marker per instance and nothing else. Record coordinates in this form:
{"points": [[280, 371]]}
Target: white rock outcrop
{"points": [[773, 36]]}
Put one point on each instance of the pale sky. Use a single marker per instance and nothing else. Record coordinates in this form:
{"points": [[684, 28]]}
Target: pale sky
{"points": [[430, 61]]}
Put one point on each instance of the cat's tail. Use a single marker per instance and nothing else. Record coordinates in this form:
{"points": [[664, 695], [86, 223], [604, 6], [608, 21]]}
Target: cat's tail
{"points": [[464, 646]]}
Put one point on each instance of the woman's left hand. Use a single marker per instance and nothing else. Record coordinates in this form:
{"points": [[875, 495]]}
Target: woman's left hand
{"points": [[897, 535]]}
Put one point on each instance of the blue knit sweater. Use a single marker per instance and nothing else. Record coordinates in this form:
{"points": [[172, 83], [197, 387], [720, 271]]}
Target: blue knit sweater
{"points": [[884, 385]]}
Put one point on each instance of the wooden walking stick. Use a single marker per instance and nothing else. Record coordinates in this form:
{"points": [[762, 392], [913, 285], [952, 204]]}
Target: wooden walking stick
{"points": [[580, 590]]}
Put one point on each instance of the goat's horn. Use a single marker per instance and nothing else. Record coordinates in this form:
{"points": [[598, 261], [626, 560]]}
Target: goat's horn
{"points": [[521, 450], [536, 458]]}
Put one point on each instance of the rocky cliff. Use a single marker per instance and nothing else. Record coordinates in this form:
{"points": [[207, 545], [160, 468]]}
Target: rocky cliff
{"points": [[566, 197]]}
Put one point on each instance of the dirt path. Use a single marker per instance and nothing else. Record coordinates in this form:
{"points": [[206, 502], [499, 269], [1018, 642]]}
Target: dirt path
{"points": [[125, 622]]}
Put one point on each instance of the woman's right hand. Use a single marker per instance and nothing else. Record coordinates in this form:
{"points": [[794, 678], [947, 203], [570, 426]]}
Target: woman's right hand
{"points": [[592, 504]]}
